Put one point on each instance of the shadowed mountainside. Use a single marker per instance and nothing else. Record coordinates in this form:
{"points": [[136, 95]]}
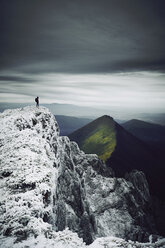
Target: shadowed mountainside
{"points": [[150, 133]]}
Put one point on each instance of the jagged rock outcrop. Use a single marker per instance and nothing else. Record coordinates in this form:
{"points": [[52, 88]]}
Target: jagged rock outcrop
{"points": [[138, 179], [110, 206], [47, 184]]}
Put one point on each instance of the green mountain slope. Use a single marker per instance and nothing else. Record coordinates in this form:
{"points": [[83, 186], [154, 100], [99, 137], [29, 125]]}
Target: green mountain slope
{"points": [[97, 137]]}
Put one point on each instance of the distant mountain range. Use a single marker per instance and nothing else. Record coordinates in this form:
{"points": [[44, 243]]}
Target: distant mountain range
{"points": [[158, 118], [60, 109], [69, 124], [121, 150], [152, 134], [121, 115]]}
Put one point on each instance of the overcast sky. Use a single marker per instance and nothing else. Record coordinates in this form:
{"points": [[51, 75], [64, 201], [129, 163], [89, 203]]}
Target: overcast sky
{"points": [[105, 53]]}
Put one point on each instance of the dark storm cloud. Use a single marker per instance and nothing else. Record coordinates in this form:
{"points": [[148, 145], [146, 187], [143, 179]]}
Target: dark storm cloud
{"points": [[82, 36], [16, 79]]}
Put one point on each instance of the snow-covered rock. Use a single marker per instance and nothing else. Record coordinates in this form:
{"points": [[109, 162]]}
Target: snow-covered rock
{"points": [[48, 185], [28, 171]]}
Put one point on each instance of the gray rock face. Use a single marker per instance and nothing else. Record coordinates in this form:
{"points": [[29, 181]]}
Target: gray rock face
{"points": [[71, 208], [138, 179], [48, 184], [95, 205]]}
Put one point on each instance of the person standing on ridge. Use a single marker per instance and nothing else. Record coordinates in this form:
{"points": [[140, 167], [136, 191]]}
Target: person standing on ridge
{"points": [[37, 101]]}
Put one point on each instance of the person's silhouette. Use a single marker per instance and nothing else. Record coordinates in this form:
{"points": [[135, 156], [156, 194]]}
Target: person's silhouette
{"points": [[37, 101]]}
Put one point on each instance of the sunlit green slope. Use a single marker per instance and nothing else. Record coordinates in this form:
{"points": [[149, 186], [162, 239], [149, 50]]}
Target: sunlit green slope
{"points": [[97, 137]]}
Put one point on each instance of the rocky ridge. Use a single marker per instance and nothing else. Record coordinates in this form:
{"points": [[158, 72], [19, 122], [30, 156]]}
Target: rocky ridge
{"points": [[48, 185]]}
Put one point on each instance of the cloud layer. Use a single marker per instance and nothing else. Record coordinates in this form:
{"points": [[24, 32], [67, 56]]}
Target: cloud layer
{"points": [[100, 53], [140, 91]]}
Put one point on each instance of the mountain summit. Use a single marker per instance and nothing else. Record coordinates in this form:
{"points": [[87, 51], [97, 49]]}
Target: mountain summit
{"points": [[114, 145], [55, 195], [99, 136]]}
